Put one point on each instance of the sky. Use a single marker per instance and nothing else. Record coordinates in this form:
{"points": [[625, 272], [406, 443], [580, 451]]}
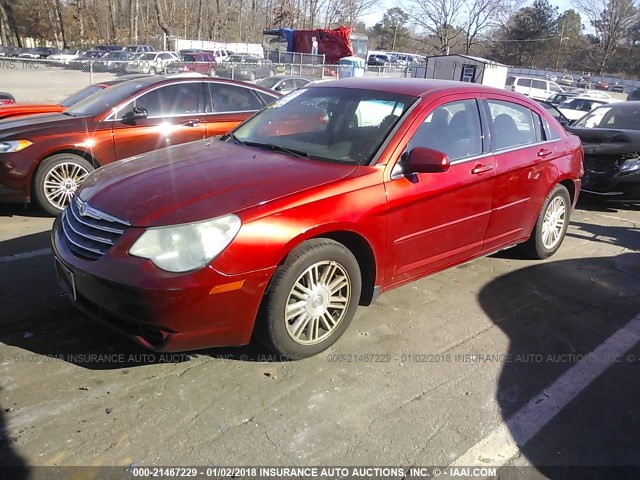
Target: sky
{"points": [[376, 15]]}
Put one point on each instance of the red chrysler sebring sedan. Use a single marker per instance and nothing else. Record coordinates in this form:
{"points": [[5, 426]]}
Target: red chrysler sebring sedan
{"points": [[284, 232]]}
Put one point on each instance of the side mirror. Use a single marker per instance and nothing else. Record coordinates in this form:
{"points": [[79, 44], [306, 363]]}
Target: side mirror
{"points": [[137, 113], [427, 160]]}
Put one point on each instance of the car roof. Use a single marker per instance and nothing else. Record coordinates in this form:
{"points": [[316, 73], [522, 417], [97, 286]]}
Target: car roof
{"points": [[159, 79], [417, 87]]}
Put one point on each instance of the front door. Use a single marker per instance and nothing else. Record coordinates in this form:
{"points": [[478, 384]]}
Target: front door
{"points": [[174, 114], [437, 219]]}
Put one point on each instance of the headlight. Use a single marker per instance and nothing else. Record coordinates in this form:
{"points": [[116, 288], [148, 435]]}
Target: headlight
{"points": [[631, 165], [181, 248], [11, 146]]}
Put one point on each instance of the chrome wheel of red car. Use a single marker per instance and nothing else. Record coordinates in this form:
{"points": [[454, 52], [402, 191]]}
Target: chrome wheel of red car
{"points": [[311, 300], [57, 180], [554, 221], [551, 225], [317, 302]]}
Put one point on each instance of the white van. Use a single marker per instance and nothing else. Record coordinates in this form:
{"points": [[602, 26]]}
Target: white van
{"points": [[536, 88]]}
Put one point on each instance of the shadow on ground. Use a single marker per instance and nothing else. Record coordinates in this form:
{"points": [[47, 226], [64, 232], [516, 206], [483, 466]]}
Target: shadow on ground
{"points": [[554, 313], [12, 466], [22, 210], [38, 317]]}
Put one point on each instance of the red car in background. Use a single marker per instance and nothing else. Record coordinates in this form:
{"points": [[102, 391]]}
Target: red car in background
{"points": [[6, 98], [281, 234], [46, 157], [199, 62]]}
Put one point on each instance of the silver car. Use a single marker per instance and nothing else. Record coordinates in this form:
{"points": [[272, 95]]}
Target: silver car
{"points": [[283, 83]]}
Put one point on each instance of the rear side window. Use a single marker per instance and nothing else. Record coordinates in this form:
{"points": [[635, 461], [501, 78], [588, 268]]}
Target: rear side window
{"points": [[512, 124], [542, 85], [524, 82], [231, 98]]}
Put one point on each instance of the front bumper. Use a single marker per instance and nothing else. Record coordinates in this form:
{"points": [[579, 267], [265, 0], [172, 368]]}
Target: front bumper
{"points": [[159, 310], [15, 177], [603, 178]]}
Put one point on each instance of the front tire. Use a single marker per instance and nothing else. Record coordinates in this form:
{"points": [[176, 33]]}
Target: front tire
{"points": [[57, 179], [551, 226], [311, 300]]}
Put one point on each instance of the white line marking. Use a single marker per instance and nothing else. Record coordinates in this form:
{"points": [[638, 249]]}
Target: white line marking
{"points": [[502, 444], [22, 256]]}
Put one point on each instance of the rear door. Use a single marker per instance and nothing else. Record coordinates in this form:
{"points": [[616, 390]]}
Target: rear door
{"points": [[539, 89], [174, 116], [525, 168]]}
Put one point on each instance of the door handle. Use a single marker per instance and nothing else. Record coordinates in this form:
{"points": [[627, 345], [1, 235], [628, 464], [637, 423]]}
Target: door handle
{"points": [[480, 169], [544, 152], [192, 123]]}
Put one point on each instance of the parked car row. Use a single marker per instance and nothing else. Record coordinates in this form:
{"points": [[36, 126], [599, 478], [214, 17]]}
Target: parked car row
{"points": [[46, 157]]}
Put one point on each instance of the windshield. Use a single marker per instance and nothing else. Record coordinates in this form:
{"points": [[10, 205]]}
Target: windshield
{"points": [[105, 100], [147, 56], [330, 123], [622, 117], [268, 82], [81, 95]]}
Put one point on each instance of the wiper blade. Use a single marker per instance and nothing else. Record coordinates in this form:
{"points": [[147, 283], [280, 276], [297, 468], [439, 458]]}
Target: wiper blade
{"points": [[279, 148], [233, 137]]}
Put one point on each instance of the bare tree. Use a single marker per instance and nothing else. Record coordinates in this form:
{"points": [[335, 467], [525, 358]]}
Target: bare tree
{"points": [[612, 21], [481, 14], [161, 22], [439, 18], [353, 9]]}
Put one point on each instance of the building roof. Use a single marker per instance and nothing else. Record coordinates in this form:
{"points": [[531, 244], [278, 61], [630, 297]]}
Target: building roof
{"points": [[470, 57]]}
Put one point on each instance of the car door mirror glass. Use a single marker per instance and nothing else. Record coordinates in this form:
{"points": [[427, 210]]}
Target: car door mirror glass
{"points": [[427, 160]]}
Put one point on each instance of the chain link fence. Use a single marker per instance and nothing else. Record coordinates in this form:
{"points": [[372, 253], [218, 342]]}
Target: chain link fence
{"points": [[33, 80]]}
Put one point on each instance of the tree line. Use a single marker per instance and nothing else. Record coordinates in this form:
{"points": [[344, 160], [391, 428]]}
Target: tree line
{"points": [[597, 35]]}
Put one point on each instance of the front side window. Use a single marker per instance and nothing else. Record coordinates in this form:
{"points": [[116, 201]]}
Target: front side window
{"points": [[524, 82], [167, 101], [453, 128], [513, 124]]}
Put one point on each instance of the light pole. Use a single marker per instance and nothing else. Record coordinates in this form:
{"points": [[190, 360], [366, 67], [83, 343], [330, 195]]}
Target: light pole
{"points": [[562, 37]]}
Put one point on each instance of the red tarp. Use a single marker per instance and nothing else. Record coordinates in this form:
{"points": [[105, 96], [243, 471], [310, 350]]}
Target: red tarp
{"points": [[334, 44]]}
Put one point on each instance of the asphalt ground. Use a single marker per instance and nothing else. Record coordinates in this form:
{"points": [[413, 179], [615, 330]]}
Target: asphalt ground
{"points": [[484, 364]]}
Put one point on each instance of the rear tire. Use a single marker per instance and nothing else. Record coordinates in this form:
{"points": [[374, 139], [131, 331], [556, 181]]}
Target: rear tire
{"points": [[551, 226], [311, 300], [57, 179]]}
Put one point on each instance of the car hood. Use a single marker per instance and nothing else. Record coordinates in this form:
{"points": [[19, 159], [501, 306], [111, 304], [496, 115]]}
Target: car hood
{"points": [[34, 124], [201, 180], [606, 141], [27, 109]]}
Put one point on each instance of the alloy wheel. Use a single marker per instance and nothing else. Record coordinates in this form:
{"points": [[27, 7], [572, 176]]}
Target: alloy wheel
{"points": [[317, 302]]}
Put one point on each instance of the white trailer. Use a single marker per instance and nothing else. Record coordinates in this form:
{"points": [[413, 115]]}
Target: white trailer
{"points": [[463, 68]]}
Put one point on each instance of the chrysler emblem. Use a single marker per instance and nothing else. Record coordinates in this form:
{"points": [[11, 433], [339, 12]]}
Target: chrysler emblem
{"points": [[82, 208]]}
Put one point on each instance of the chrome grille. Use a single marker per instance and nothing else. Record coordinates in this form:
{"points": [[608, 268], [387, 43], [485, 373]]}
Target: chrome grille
{"points": [[90, 232]]}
